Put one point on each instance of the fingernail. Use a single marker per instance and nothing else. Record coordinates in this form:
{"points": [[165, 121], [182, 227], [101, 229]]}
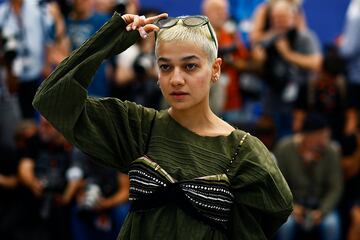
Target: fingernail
{"points": [[128, 28]]}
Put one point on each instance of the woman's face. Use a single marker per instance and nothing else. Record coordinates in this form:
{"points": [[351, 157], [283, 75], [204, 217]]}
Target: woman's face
{"points": [[185, 74]]}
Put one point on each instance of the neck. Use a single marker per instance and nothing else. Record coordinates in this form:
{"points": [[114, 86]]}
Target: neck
{"points": [[199, 120], [81, 15]]}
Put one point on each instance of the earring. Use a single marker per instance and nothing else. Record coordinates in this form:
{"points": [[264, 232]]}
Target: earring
{"points": [[215, 79], [158, 83]]}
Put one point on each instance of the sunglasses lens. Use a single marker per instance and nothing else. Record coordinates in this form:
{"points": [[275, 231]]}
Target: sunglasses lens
{"points": [[167, 22], [194, 21]]}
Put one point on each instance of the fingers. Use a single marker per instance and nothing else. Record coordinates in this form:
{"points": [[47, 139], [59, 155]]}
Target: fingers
{"points": [[138, 22], [150, 28], [142, 24], [135, 21], [154, 18]]}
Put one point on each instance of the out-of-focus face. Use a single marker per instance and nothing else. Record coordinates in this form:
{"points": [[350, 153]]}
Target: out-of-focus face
{"points": [[317, 140], [104, 6], [217, 12], [47, 132], [282, 18], [184, 74], [83, 6]]}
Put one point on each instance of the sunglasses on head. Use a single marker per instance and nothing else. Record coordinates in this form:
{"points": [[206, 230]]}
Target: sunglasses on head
{"points": [[188, 21]]}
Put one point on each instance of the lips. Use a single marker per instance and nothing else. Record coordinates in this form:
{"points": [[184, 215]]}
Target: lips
{"points": [[178, 94]]}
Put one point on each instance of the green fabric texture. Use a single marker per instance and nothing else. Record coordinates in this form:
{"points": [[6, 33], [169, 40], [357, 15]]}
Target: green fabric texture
{"points": [[115, 133], [324, 183]]}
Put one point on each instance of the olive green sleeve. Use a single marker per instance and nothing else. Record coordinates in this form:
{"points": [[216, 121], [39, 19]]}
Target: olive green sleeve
{"points": [[111, 131], [263, 200]]}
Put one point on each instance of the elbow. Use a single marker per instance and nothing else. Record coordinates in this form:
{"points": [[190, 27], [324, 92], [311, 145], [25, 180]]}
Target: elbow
{"points": [[316, 63]]}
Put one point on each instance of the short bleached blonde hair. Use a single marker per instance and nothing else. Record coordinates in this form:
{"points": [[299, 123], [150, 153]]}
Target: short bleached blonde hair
{"points": [[200, 36]]}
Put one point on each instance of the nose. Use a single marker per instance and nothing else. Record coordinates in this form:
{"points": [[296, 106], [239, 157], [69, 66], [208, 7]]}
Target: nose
{"points": [[177, 78]]}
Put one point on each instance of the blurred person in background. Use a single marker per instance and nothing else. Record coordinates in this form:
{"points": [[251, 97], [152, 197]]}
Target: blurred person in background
{"points": [[105, 6], [57, 49], [9, 102], [102, 200], [225, 95], [311, 166], [29, 26], [261, 22], [326, 94], [43, 171], [350, 202], [289, 59], [135, 75], [10, 213], [82, 23], [349, 44]]}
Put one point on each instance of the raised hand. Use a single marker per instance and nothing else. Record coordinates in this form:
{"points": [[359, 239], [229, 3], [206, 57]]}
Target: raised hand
{"points": [[141, 23]]}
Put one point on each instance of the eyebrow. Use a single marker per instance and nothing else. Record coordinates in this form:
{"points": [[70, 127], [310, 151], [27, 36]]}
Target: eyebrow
{"points": [[184, 59]]}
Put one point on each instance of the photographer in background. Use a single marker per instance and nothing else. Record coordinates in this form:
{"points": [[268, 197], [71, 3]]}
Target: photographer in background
{"points": [[135, 73], [225, 95], [311, 167], [29, 25], [50, 186], [102, 201], [290, 56]]}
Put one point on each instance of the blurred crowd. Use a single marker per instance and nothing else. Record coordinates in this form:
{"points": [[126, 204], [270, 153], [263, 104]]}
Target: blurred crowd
{"points": [[278, 82]]}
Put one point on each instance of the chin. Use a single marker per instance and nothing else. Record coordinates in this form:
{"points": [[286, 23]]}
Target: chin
{"points": [[180, 105]]}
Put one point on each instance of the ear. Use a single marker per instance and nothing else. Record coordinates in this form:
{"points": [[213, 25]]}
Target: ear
{"points": [[216, 68]]}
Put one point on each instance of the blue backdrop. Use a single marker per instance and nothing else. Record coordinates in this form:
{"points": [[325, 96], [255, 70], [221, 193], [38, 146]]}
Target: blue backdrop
{"points": [[325, 17]]}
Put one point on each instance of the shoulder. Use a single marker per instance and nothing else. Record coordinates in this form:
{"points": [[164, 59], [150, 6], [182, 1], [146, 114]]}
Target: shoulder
{"points": [[285, 145], [100, 18], [252, 151], [307, 36]]}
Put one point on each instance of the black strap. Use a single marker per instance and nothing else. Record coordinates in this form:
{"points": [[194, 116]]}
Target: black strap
{"points": [[172, 194]]}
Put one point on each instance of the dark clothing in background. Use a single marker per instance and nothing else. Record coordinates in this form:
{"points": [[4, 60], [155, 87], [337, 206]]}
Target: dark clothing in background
{"points": [[10, 212], [329, 101], [43, 217]]}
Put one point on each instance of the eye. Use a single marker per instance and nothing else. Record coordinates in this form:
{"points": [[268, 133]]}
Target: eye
{"points": [[164, 67], [190, 66]]}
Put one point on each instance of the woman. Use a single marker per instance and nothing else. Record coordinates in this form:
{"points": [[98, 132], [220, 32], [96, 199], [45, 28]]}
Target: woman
{"points": [[192, 175]]}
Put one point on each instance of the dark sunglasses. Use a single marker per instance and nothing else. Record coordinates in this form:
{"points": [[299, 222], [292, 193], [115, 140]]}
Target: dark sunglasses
{"points": [[188, 21]]}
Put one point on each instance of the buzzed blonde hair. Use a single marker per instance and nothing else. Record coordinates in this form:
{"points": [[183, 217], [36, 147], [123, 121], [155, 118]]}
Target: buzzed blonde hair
{"points": [[200, 36]]}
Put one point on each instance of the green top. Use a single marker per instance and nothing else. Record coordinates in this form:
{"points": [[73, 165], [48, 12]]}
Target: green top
{"points": [[116, 133], [311, 182]]}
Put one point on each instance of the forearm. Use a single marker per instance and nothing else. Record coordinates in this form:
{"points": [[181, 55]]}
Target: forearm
{"points": [[8, 181], [118, 198], [71, 189], [61, 97], [351, 121], [122, 195], [308, 62], [26, 172]]}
